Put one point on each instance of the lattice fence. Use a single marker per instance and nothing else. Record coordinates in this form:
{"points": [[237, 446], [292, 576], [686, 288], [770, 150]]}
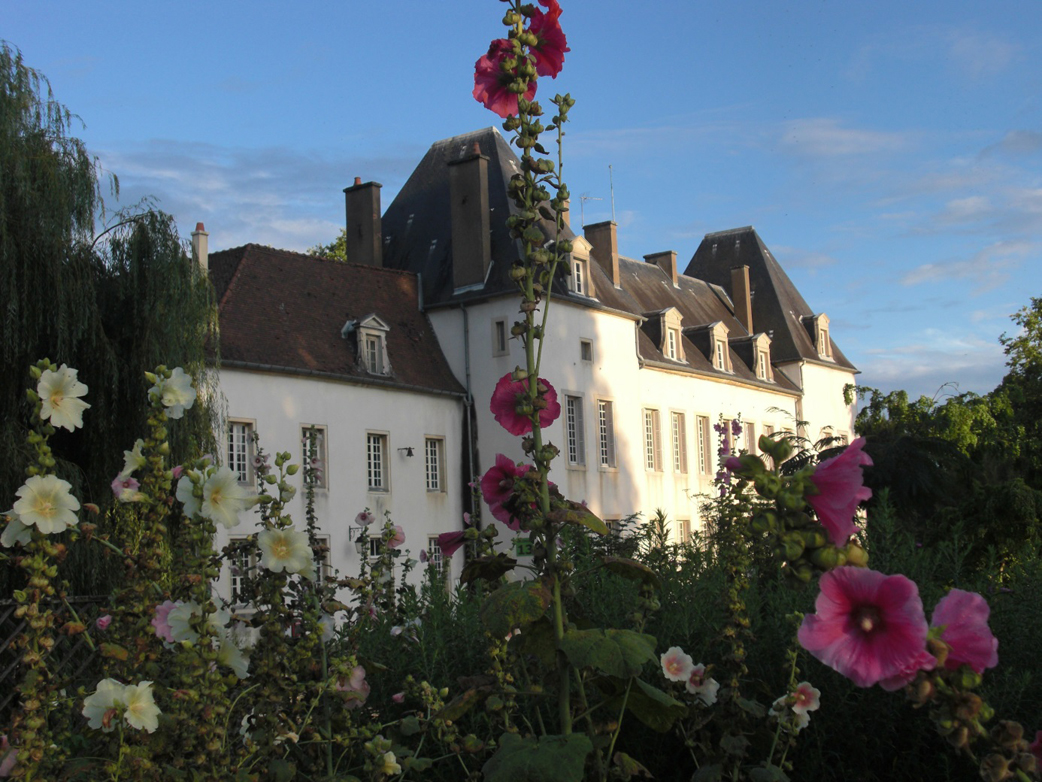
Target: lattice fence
{"points": [[70, 660]]}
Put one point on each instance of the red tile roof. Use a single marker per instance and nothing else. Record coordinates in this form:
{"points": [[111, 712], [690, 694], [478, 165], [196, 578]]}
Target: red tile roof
{"points": [[281, 310]]}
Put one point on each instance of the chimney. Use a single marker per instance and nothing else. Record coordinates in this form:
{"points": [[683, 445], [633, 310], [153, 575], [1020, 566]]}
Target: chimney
{"points": [[566, 216], [471, 219], [604, 238], [363, 241], [201, 248], [667, 261], [742, 297]]}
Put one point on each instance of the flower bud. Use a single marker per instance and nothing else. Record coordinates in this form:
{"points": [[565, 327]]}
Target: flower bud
{"points": [[994, 768]]}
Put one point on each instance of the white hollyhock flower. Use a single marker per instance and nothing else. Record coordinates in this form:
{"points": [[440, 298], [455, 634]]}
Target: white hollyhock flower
{"points": [[186, 496], [15, 532], [176, 393], [180, 622], [230, 655], [108, 697], [133, 460], [286, 549], [224, 498], [47, 502], [59, 391], [141, 710]]}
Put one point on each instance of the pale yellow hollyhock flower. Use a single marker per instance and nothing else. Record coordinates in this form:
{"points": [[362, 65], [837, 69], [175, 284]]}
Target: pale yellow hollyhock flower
{"points": [[47, 502], [224, 498], [390, 764], [285, 549], [108, 696], [15, 532], [176, 393], [133, 460], [59, 391], [142, 712]]}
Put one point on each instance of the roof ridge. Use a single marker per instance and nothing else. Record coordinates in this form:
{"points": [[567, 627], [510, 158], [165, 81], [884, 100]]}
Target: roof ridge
{"points": [[245, 248]]}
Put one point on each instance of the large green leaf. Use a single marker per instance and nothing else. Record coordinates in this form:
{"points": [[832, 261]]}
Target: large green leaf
{"points": [[575, 513], [514, 605], [487, 568], [613, 652], [632, 569], [535, 759], [655, 708]]}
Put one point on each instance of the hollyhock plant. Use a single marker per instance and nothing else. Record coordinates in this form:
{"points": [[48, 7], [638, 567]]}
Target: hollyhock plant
{"points": [[103, 622], [497, 484], [364, 519], [224, 498], [133, 460], [676, 665], [840, 488], [705, 687], [806, 698], [125, 488], [506, 396], [161, 620], [16, 532], [8, 757], [869, 626], [141, 710], [103, 705], [46, 502], [963, 619], [551, 43], [285, 550], [355, 688], [186, 494], [59, 394], [492, 83], [175, 392], [1036, 747], [450, 542], [398, 538]]}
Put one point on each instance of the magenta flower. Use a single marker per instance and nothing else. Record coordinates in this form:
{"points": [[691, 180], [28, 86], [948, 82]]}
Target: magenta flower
{"points": [[509, 393], [491, 81], [355, 688], [869, 626], [840, 489], [1036, 747], [552, 44], [103, 622], [497, 487], [964, 619], [161, 620], [398, 697], [806, 698], [449, 542], [398, 538]]}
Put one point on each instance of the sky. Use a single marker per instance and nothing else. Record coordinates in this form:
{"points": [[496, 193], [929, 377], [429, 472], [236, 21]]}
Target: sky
{"points": [[888, 153]]}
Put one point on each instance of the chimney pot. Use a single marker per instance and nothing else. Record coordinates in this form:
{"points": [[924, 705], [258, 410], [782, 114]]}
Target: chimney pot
{"points": [[200, 247], [358, 180]]}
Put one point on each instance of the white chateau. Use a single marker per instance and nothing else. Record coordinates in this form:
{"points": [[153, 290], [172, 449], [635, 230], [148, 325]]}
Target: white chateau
{"points": [[393, 357]]}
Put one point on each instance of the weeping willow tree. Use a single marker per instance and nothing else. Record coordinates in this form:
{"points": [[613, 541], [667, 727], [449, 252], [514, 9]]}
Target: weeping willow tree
{"points": [[111, 301]]}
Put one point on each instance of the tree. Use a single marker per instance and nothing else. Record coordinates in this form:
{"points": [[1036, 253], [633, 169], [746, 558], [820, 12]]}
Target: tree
{"points": [[112, 305], [336, 250]]}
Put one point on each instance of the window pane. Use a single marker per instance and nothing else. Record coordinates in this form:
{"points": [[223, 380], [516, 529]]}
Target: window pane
{"points": [[679, 443], [376, 448], [434, 464], [240, 447], [575, 427], [606, 432]]}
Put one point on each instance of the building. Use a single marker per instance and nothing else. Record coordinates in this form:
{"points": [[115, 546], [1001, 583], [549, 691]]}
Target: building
{"points": [[408, 342]]}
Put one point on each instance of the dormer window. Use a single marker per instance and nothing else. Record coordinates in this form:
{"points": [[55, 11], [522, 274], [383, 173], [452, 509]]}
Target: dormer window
{"points": [[580, 276], [371, 333], [374, 354], [578, 259], [761, 364], [721, 355], [821, 336], [672, 346]]}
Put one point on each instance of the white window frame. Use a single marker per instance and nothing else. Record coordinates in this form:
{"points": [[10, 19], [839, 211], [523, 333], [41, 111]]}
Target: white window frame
{"points": [[761, 364], [749, 433], [606, 434], [580, 276], [721, 356], [575, 430], [705, 446], [240, 450], [672, 338], [321, 451], [372, 346], [378, 476], [678, 426], [683, 531], [652, 441], [434, 464], [500, 337]]}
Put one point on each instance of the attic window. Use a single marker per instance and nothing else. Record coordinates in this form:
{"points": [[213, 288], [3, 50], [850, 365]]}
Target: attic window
{"points": [[671, 344], [824, 345], [761, 364], [374, 354], [372, 345], [579, 282], [721, 355]]}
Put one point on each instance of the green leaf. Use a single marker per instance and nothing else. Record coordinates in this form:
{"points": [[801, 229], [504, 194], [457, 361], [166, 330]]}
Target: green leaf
{"points": [[768, 773], [754, 708], [655, 708], [463, 703], [114, 651], [632, 569], [538, 640], [576, 513], [487, 568], [711, 773], [734, 744], [282, 770], [629, 767], [514, 605], [409, 726], [614, 652], [534, 759]]}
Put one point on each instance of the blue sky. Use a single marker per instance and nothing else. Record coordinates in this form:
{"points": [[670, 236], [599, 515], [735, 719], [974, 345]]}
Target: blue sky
{"points": [[888, 153]]}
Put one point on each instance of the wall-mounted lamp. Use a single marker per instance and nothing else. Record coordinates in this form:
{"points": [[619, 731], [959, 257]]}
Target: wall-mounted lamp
{"points": [[408, 451]]}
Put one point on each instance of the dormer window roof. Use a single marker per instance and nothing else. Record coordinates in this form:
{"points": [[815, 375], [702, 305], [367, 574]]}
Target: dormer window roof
{"points": [[371, 334]]}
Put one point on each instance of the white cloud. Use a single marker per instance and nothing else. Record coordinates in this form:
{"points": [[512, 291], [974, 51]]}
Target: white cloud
{"points": [[980, 54], [988, 267], [826, 137]]}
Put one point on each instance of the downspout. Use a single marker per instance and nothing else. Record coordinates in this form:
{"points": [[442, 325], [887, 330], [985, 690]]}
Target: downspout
{"points": [[468, 401], [636, 341]]}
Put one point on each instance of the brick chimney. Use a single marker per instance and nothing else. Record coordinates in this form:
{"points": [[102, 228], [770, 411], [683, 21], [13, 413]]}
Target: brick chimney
{"points": [[567, 215], [667, 261], [605, 241], [741, 295], [201, 247], [471, 219], [364, 238]]}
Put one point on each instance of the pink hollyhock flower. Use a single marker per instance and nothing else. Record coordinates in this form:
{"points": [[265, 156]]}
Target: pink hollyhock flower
{"points": [[355, 688], [552, 44], [676, 665], [491, 81], [398, 538], [449, 542], [103, 622], [177, 472], [841, 488], [8, 757], [733, 464], [504, 405], [124, 486], [424, 556], [869, 626], [364, 519], [497, 485], [964, 619], [1036, 747], [806, 697], [703, 686], [398, 697], [161, 620]]}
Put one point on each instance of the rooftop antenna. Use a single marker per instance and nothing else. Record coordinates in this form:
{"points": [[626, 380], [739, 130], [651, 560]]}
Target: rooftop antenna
{"points": [[611, 185], [582, 206]]}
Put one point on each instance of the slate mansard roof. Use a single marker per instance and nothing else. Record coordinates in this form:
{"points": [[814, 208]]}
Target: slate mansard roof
{"points": [[284, 311]]}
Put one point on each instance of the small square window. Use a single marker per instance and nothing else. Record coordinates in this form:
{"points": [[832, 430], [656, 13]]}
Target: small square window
{"points": [[435, 558], [683, 530], [586, 350], [241, 451]]}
